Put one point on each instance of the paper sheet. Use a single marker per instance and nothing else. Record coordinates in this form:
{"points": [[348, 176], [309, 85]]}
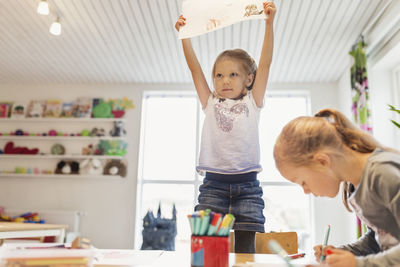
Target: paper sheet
{"points": [[203, 16], [125, 257], [253, 264]]}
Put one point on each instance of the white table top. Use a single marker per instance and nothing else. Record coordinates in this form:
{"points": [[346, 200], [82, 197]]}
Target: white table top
{"points": [[154, 258]]}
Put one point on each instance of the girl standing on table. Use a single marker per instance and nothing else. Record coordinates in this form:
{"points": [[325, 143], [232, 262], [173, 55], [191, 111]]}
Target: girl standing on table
{"points": [[229, 154], [321, 152]]}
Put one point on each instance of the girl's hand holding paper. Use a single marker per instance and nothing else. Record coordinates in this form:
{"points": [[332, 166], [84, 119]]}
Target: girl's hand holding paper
{"points": [[181, 22], [209, 15], [269, 10]]}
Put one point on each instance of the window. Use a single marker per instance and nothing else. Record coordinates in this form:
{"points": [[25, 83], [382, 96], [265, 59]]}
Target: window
{"points": [[396, 103], [171, 128]]}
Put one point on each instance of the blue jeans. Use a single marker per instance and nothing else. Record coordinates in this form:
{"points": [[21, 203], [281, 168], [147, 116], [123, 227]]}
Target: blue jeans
{"points": [[243, 200]]}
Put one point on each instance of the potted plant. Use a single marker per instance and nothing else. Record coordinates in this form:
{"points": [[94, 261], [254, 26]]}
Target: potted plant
{"points": [[119, 106]]}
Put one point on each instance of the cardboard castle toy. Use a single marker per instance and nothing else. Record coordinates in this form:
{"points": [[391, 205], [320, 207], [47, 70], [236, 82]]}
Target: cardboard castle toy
{"points": [[159, 233]]}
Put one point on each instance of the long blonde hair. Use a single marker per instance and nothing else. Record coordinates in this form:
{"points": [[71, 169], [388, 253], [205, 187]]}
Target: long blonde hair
{"points": [[328, 130]]}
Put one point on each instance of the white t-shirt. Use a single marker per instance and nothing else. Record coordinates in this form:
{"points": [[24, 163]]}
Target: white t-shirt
{"points": [[229, 140]]}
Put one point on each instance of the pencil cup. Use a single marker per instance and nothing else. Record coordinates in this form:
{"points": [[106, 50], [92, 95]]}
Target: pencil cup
{"points": [[210, 251]]}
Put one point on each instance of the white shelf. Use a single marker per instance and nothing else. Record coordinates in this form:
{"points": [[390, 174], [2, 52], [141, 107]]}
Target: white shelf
{"points": [[47, 160], [62, 119], [37, 156], [57, 176], [27, 137]]}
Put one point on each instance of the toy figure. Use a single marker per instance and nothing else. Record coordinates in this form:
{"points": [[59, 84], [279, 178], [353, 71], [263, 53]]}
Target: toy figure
{"points": [[119, 129]]}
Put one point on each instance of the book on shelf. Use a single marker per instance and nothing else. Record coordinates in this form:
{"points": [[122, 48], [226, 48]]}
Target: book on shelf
{"points": [[4, 109], [53, 108], [18, 110], [67, 109], [83, 107], [36, 109]]}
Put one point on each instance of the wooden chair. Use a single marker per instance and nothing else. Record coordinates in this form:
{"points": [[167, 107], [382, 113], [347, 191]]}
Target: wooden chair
{"points": [[288, 241]]}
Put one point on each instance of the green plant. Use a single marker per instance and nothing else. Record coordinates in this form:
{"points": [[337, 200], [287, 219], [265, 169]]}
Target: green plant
{"points": [[395, 110]]}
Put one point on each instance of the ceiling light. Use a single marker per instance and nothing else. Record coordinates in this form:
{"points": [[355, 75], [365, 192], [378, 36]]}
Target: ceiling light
{"points": [[55, 27], [43, 7]]}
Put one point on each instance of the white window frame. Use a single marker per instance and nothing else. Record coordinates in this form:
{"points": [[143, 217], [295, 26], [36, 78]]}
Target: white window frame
{"points": [[396, 102]]}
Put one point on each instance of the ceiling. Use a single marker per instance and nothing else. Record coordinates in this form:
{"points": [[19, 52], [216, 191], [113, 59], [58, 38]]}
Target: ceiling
{"points": [[134, 41]]}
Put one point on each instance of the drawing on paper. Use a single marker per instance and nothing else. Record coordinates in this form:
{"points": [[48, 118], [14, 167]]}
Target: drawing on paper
{"points": [[209, 15], [213, 24], [252, 10]]}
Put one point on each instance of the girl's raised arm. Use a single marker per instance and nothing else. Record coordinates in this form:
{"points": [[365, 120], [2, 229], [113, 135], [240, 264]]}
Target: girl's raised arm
{"points": [[260, 83], [200, 82]]}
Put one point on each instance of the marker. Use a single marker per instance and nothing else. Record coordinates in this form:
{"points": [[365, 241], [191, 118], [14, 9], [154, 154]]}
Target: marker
{"points": [[226, 222], [328, 229], [277, 249], [222, 226], [211, 216], [201, 212], [205, 222], [229, 223], [296, 256], [197, 224], [216, 220], [191, 222]]}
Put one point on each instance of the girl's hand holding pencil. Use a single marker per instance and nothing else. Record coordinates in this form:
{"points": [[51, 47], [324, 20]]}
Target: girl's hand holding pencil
{"points": [[340, 257], [323, 255], [337, 258], [321, 250]]}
